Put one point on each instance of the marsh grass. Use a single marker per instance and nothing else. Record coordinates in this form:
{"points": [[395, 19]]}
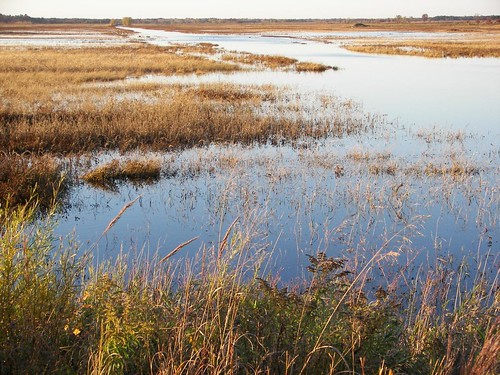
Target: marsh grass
{"points": [[50, 106], [199, 48], [39, 288], [471, 47], [232, 93], [269, 61], [60, 313], [54, 101], [275, 62], [25, 73], [455, 169], [312, 67], [132, 170], [25, 178], [175, 117]]}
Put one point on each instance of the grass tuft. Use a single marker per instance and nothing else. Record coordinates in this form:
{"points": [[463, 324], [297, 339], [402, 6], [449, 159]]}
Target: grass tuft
{"points": [[312, 67], [133, 170]]}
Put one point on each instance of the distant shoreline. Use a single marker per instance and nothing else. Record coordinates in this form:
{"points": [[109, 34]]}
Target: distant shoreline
{"points": [[24, 18]]}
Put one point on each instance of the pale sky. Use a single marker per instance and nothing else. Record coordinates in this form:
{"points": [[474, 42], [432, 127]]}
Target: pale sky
{"points": [[247, 8]]}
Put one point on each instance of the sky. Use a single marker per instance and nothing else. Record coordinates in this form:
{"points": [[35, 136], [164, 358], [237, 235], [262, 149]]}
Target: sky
{"points": [[247, 8]]}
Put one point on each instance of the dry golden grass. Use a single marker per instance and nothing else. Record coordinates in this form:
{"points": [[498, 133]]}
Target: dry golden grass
{"points": [[230, 93], [27, 178], [172, 117], [133, 170], [269, 61], [53, 100], [28, 73], [275, 62], [141, 169], [312, 67], [200, 48], [432, 48], [30, 78]]}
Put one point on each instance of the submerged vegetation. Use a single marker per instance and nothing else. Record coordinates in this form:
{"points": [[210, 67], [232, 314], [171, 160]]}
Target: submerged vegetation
{"points": [[61, 314]]}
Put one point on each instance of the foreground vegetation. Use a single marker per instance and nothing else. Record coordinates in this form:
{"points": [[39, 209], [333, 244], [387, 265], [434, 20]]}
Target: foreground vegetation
{"points": [[62, 313]]}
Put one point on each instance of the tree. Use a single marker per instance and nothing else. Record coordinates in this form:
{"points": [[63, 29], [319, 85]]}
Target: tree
{"points": [[425, 17], [127, 21], [112, 22]]}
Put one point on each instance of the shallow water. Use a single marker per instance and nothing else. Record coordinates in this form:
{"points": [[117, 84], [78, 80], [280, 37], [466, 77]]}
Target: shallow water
{"points": [[291, 201]]}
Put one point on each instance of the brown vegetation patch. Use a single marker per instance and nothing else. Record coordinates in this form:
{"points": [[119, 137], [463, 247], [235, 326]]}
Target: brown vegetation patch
{"points": [[132, 170], [184, 121], [26, 179], [269, 61], [457, 169], [200, 48], [379, 169], [432, 48], [275, 62], [160, 118], [312, 67], [60, 66], [229, 93]]}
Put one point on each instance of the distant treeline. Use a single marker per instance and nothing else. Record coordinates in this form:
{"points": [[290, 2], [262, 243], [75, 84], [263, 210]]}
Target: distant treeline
{"points": [[41, 20], [166, 21]]}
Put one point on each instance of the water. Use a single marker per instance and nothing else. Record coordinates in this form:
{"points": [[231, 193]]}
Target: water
{"points": [[292, 201]]}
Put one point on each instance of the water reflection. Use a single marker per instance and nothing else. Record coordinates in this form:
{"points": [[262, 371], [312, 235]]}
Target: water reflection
{"points": [[292, 202]]}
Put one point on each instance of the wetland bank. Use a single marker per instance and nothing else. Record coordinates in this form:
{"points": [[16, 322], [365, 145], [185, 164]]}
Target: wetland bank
{"points": [[220, 210]]}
